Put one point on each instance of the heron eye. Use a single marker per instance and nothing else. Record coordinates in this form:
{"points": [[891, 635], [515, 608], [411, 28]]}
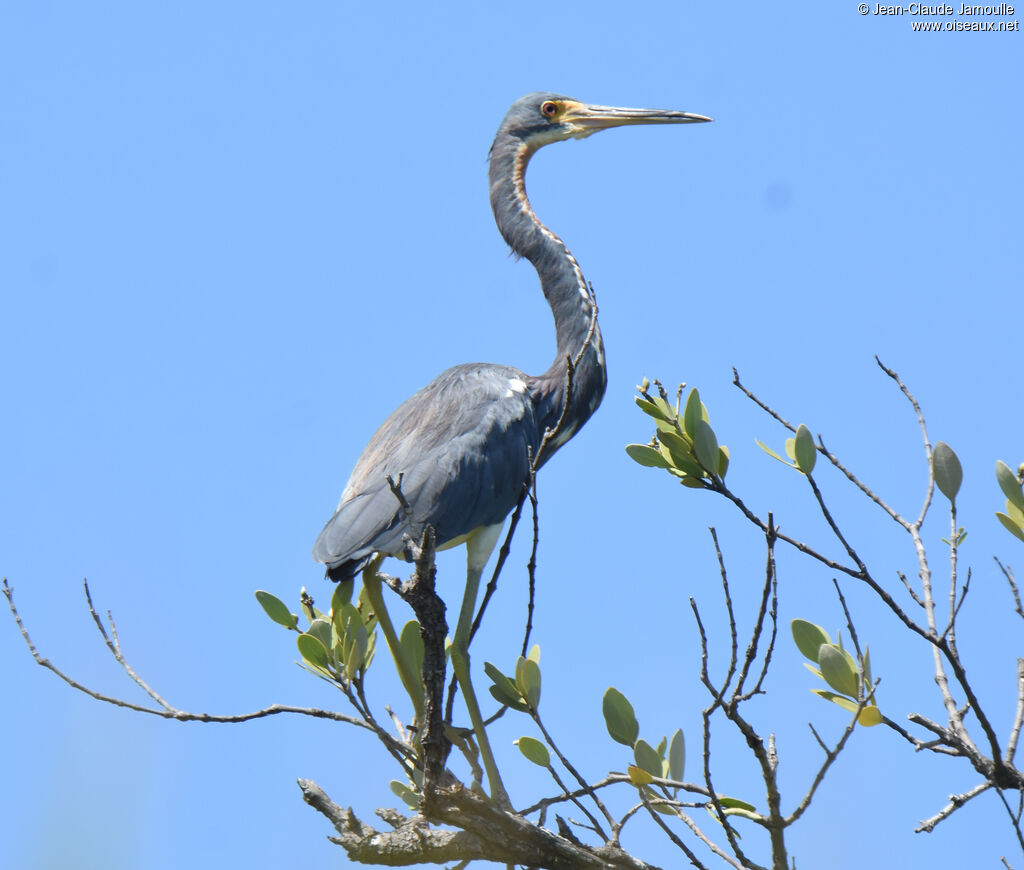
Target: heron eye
{"points": [[549, 109]]}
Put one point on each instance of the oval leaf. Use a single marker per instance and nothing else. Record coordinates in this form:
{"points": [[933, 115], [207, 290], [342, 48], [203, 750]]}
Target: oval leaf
{"points": [[647, 456], [770, 452], [342, 595], [723, 461], [619, 718], [677, 756], [729, 803], [705, 445], [276, 609], [693, 413], [948, 472], [869, 716], [809, 638], [1008, 483], [1010, 526], [411, 642], [803, 449], [504, 691], [312, 650], [321, 630], [528, 681], [534, 751], [647, 757], [408, 796], [837, 671], [680, 453], [638, 776]]}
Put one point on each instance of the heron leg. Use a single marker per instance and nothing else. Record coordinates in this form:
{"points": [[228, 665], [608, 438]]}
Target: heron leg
{"points": [[478, 547]]}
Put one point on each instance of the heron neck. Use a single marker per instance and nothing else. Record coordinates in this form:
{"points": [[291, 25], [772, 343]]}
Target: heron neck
{"points": [[565, 288]]}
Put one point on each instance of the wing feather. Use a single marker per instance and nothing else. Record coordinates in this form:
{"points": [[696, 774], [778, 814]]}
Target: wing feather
{"points": [[461, 446]]}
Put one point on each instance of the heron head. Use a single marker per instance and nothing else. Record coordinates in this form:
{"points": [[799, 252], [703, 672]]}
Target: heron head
{"points": [[541, 118]]}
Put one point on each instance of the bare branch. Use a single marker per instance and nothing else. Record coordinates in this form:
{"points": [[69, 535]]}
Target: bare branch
{"points": [[487, 833], [955, 802], [686, 850], [587, 789], [830, 757], [1008, 574], [924, 434], [1018, 717], [167, 711]]}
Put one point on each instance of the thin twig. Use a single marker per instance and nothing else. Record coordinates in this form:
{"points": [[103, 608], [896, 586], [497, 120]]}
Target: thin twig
{"points": [[955, 802], [830, 757], [1008, 574], [674, 837], [587, 790]]}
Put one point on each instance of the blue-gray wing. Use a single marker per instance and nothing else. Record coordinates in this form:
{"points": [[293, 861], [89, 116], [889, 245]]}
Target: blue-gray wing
{"points": [[461, 446]]}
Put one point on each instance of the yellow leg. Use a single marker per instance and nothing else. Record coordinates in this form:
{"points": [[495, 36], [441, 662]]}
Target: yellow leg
{"points": [[479, 547]]}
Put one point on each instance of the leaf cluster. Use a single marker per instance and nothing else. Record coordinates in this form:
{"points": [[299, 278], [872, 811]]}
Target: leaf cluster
{"points": [[338, 645], [684, 444], [850, 677]]}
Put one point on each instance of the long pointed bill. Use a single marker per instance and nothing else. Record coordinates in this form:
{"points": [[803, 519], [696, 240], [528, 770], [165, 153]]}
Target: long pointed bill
{"points": [[584, 119]]}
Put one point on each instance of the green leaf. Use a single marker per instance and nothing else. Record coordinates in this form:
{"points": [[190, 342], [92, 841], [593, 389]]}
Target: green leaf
{"points": [[1010, 526], [321, 630], [729, 803], [648, 758], [342, 595], [948, 472], [868, 716], [647, 456], [666, 411], [534, 654], [770, 452], [411, 642], [808, 638], [346, 620], [677, 756], [355, 654], [1008, 483], [837, 670], [276, 609], [866, 669], [693, 413], [504, 691], [705, 445], [681, 453], [657, 408], [723, 460], [803, 449], [619, 718], [312, 650], [1015, 513], [664, 808], [407, 795], [528, 681], [534, 751]]}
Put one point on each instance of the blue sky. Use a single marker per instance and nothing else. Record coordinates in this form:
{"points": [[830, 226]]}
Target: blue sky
{"points": [[235, 236]]}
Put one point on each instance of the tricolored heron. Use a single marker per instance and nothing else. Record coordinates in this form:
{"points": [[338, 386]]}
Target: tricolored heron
{"points": [[462, 446]]}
